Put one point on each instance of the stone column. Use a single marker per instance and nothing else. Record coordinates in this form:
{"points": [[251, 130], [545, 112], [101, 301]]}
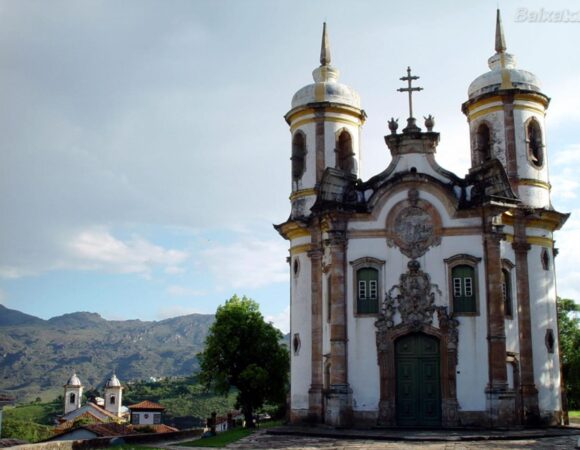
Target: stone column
{"points": [[501, 401], [315, 401], [339, 407], [529, 392]]}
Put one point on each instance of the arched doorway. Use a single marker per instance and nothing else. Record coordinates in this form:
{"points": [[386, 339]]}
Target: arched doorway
{"points": [[417, 366]]}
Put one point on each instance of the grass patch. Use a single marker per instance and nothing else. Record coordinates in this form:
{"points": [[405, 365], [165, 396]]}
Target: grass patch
{"points": [[42, 413], [574, 414], [228, 437], [220, 439], [133, 447]]}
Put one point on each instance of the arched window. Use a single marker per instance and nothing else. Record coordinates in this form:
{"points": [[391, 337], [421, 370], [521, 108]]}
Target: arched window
{"points": [[298, 155], [344, 152], [506, 287], [72, 397], [545, 259], [535, 146], [483, 143], [112, 399], [368, 291]]}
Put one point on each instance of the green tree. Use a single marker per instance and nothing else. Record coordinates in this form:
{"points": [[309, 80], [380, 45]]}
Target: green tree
{"points": [[242, 351], [569, 328]]}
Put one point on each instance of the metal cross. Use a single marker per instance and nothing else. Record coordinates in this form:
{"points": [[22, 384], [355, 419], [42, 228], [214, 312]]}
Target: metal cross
{"points": [[409, 78]]}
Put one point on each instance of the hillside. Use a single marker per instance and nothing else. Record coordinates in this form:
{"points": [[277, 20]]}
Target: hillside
{"points": [[39, 355]]}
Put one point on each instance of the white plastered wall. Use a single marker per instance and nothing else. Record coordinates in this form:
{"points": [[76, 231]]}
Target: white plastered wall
{"points": [[300, 322], [543, 317]]}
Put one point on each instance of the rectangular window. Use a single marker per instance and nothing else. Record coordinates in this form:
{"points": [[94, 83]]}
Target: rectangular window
{"points": [[135, 419], [462, 284], [362, 289], [367, 291], [468, 287], [456, 287], [157, 418]]}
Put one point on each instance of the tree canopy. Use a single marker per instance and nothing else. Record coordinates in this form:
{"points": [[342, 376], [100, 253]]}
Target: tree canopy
{"points": [[243, 351], [569, 327]]}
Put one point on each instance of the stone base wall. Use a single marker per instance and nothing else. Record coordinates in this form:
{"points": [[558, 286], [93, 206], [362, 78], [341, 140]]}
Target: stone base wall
{"points": [[365, 419], [299, 416], [551, 418]]}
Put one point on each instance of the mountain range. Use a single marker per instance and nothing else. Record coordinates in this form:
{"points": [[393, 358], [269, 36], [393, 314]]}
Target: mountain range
{"points": [[37, 355]]}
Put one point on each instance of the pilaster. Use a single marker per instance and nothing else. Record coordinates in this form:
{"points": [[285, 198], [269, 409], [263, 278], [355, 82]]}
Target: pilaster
{"points": [[529, 392], [500, 399], [315, 399], [339, 403]]}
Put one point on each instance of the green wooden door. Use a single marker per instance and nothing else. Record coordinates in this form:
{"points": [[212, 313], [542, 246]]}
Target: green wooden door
{"points": [[418, 381]]}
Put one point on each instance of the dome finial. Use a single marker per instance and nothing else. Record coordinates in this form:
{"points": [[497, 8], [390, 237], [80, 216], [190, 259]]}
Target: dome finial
{"points": [[324, 48], [500, 46]]}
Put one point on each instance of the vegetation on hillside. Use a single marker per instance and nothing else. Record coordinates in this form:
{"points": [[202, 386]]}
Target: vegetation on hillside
{"points": [[243, 351], [181, 397], [45, 352], [24, 430]]}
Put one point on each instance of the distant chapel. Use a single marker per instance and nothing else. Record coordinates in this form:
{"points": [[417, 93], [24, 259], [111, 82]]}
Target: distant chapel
{"points": [[419, 298]]}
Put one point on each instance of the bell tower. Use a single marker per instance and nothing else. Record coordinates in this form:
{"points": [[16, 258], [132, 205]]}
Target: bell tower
{"points": [[325, 122], [73, 393], [114, 395], [506, 111]]}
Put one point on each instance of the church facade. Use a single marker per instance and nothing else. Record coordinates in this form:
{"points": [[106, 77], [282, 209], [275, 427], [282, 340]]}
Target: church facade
{"points": [[419, 298]]}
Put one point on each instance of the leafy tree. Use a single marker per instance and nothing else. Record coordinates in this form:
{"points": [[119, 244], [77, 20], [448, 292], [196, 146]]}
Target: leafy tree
{"points": [[242, 351], [569, 327]]}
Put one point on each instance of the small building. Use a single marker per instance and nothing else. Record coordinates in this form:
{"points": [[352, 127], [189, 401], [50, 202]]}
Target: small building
{"points": [[146, 413]]}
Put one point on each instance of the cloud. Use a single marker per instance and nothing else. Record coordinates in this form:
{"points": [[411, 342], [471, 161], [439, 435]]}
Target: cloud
{"points": [[170, 311], [281, 320], [180, 291], [249, 263], [97, 249]]}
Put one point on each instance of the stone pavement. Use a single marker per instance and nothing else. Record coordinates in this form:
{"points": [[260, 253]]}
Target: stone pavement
{"points": [[328, 439]]}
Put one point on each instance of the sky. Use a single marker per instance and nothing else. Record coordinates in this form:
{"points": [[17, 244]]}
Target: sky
{"points": [[144, 156]]}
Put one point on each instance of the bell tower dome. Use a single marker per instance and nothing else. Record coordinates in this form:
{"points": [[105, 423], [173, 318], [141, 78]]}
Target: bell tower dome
{"points": [[506, 111], [325, 122], [73, 393]]}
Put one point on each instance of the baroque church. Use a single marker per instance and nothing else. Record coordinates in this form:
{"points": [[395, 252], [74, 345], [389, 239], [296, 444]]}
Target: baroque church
{"points": [[419, 298]]}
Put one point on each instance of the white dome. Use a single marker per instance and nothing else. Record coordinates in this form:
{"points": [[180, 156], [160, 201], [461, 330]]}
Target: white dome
{"points": [[503, 75], [326, 90], [74, 381], [113, 382]]}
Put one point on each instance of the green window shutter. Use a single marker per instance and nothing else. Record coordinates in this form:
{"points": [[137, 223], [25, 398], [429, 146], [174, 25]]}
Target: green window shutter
{"points": [[507, 292], [367, 291], [463, 278]]}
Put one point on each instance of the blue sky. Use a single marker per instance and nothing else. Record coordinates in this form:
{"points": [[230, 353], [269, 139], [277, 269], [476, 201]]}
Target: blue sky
{"points": [[145, 157]]}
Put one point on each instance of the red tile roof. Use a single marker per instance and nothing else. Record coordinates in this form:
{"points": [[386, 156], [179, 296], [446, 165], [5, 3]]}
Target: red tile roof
{"points": [[159, 428], [147, 405]]}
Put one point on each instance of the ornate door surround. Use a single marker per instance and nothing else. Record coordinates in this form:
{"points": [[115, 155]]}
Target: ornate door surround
{"points": [[413, 308]]}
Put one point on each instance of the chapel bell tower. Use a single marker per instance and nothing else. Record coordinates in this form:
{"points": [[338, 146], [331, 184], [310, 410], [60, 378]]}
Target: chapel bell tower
{"points": [[325, 122], [73, 393], [506, 111], [114, 395]]}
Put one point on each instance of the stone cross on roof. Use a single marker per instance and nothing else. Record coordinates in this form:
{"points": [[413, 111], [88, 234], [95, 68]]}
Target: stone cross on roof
{"points": [[410, 89]]}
